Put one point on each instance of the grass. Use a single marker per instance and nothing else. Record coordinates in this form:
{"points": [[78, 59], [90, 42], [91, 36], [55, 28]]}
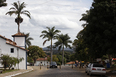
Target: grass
{"points": [[7, 70]]}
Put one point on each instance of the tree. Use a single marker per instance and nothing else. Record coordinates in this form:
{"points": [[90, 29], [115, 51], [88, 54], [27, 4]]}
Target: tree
{"points": [[54, 58], [50, 35], [17, 9], [5, 61], [63, 41], [28, 42], [99, 34], [8, 61], [81, 51], [35, 52], [2, 3]]}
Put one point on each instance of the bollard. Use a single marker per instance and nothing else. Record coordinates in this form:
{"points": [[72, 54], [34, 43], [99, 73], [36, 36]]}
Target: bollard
{"points": [[60, 66], [72, 66], [40, 67], [47, 65]]}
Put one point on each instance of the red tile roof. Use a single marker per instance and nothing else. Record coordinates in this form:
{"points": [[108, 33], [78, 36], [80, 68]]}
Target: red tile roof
{"points": [[19, 34], [42, 59], [10, 42], [72, 62]]}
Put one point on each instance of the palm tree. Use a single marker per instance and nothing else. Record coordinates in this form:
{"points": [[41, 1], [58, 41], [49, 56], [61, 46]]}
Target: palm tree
{"points": [[18, 10], [84, 18], [28, 42], [49, 35], [2, 3], [63, 41]]}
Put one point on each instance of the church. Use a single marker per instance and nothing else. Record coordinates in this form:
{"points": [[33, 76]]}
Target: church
{"points": [[15, 48]]}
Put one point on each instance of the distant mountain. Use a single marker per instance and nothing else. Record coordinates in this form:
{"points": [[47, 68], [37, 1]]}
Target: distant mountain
{"points": [[55, 50]]}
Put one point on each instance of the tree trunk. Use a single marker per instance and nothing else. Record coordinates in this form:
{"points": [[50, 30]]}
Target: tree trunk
{"points": [[63, 55], [109, 59], [18, 28], [51, 50]]}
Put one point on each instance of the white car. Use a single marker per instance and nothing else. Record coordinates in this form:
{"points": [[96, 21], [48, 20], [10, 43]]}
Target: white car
{"points": [[95, 69]]}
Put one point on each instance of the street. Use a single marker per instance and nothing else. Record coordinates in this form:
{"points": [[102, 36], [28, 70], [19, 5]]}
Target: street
{"points": [[65, 71]]}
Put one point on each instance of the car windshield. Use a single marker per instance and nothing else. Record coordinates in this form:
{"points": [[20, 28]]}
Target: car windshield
{"points": [[54, 63], [97, 65]]}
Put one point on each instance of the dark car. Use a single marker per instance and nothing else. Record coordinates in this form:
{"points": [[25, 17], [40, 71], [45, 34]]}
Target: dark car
{"points": [[53, 65]]}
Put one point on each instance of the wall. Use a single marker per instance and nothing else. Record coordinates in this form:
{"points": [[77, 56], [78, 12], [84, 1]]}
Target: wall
{"points": [[20, 41], [6, 49], [38, 63]]}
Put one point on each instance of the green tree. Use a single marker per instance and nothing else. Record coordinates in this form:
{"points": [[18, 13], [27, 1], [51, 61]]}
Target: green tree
{"points": [[17, 9], [63, 41], [81, 50], [28, 42], [35, 52], [3, 3], [99, 34], [5, 61], [54, 58], [50, 35], [30, 60], [8, 61]]}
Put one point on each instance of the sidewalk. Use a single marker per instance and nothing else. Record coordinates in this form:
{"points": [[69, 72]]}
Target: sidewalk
{"points": [[14, 73]]}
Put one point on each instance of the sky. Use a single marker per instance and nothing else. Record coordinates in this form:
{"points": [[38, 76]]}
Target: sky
{"points": [[63, 14]]}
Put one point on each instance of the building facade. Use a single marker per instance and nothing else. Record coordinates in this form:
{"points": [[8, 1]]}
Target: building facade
{"points": [[14, 48]]}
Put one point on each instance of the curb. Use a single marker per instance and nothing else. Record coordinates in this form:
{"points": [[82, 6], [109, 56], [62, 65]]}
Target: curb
{"points": [[19, 73]]}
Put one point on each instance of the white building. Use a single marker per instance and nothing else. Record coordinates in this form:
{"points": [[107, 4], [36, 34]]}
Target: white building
{"points": [[14, 48], [42, 61]]}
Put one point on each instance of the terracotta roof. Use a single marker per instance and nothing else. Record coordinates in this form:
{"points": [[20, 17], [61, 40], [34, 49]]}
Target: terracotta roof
{"points": [[42, 59], [19, 34], [72, 62], [10, 42]]}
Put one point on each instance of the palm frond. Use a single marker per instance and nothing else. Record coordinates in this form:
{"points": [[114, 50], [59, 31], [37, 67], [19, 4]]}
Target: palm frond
{"points": [[15, 5], [45, 41], [12, 8], [28, 15], [11, 12]]}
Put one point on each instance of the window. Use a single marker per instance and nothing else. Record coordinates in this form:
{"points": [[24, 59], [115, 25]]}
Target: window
{"points": [[12, 50]]}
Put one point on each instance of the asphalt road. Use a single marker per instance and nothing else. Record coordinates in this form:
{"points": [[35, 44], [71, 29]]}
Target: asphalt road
{"points": [[65, 71]]}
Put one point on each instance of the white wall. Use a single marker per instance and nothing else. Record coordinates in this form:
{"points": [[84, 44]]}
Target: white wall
{"points": [[6, 49], [20, 41], [38, 63]]}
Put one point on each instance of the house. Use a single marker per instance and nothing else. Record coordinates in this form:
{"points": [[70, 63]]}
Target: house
{"points": [[15, 48], [42, 61]]}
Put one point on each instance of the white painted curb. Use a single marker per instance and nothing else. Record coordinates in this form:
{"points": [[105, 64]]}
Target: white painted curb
{"points": [[19, 73]]}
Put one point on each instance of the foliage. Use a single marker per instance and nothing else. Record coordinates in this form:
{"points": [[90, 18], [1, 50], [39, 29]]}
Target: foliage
{"points": [[63, 41], [35, 52], [2, 3], [28, 42], [72, 57], [8, 61], [66, 56], [17, 9], [49, 35], [30, 60], [54, 58], [98, 36]]}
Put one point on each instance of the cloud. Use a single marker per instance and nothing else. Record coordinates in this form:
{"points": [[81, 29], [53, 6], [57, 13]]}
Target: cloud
{"points": [[63, 14]]}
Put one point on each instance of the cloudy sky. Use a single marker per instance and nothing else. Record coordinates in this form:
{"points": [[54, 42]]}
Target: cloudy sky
{"points": [[63, 14]]}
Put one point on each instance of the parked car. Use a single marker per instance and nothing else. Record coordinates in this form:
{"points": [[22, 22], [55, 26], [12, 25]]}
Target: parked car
{"points": [[95, 69], [53, 65]]}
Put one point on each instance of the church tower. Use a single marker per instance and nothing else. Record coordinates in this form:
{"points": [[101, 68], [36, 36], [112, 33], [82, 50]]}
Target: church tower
{"points": [[20, 39]]}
